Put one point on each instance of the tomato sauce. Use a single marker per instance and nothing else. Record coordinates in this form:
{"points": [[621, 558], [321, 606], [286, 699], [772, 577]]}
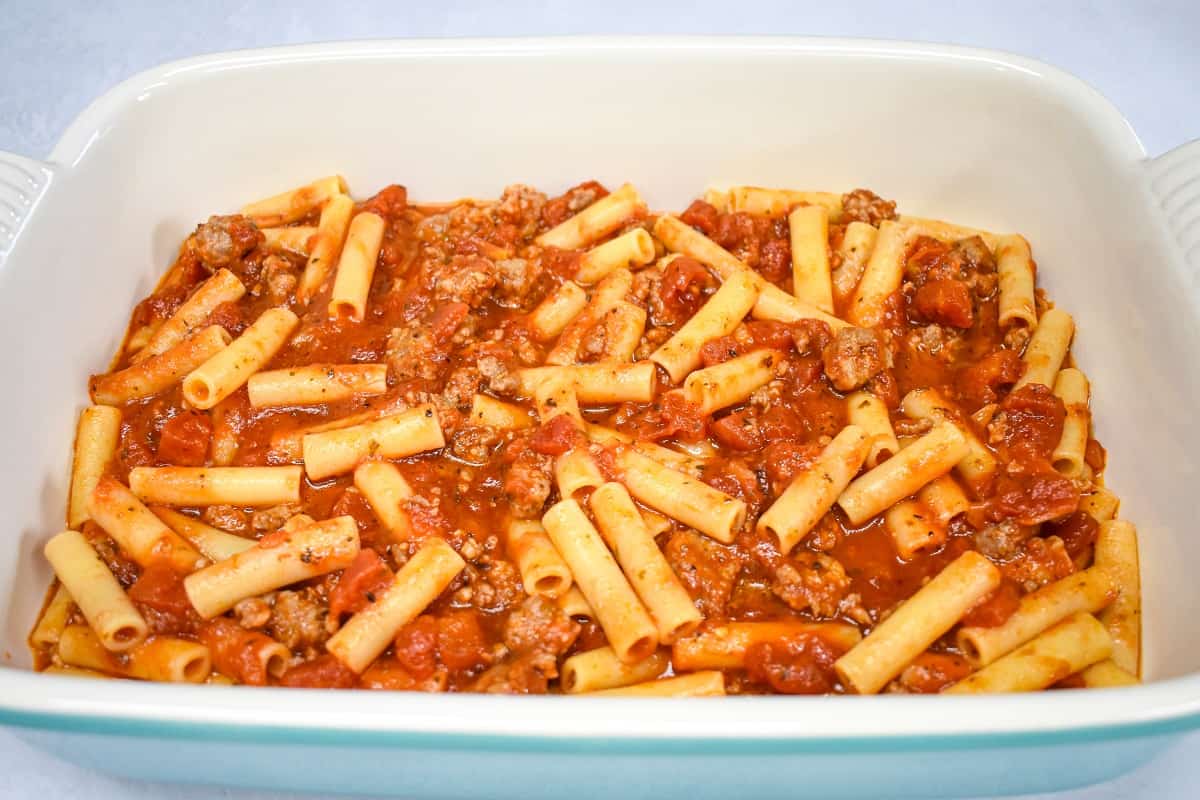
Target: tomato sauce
{"points": [[447, 313]]}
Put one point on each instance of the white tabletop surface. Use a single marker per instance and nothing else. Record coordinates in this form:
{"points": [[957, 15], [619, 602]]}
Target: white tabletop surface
{"points": [[58, 55]]}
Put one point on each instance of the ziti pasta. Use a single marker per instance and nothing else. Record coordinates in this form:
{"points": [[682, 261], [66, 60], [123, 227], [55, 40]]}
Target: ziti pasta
{"points": [[789, 442]]}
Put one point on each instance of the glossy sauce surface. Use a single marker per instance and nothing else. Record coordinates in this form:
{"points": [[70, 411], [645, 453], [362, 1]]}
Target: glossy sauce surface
{"points": [[446, 312]]}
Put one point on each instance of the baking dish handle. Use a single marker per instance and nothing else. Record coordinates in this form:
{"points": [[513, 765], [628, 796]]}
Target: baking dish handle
{"points": [[1174, 179], [23, 182]]}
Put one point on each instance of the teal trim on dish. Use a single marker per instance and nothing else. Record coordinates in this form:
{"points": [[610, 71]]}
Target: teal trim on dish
{"points": [[591, 745]]}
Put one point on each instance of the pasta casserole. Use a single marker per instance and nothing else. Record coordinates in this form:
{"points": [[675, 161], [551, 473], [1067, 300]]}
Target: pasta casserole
{"points": [[781, 442]]}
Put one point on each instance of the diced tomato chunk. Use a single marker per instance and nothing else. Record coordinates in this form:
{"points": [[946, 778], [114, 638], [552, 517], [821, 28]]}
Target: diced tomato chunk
{"points": [[945, 302], [738, 431], [702, 216], [781, 423], [390, 201], [160, 587], [734, 478], [796, 665], [160, 305], [767, 333], [980, 381], [185, 438], [323, 672], [680, 289], [461, 644], [236, 652], [930, 673], [751, 336], [564, 263], [719, 350], [230, 317], [673, 416], [735, 230], [784, 460], [556, 437], [361, 583], [994, 609], [1077, 531], [1033, 423], [416, 646], [1031, 498]]}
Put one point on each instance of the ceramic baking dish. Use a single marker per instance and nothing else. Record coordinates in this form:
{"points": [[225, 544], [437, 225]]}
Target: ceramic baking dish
{"points": [[977, 137]]}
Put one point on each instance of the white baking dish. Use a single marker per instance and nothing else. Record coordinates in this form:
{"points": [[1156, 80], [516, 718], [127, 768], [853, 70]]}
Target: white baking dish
{"points": [[980, 138]]}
